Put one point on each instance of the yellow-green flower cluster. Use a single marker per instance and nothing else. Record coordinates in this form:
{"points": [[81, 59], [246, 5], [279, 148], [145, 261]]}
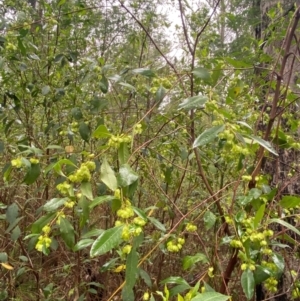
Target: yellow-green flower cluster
{"points": [[44, 241], [137, 129], [63, 188], [34, 161], [17, 163], [115, 141], [271, 284], [83, 173], [175, 245], [191, 227]]}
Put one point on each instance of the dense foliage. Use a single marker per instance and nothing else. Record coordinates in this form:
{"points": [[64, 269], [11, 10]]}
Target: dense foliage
{"points": [[147, 156]]}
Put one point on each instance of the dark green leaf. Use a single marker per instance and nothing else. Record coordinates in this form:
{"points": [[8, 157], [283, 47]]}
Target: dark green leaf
{"points": [[84, 131], [145, 276], [279, 261], [108, 240], [174, 280], [12, 213], [103, 84], [259, 215], [157, 224], [208, 135], [32, 174], [76, 113], [41, 222]]}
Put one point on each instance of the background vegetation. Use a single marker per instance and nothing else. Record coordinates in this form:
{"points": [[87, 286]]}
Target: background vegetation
{"points": [[147, 156]]}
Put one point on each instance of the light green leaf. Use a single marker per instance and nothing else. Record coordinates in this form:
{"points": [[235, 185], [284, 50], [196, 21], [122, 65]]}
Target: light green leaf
{"points": [[279, 261], [248, 283], [127, 86], [107, 176], [127, 176], [208, 135], [285, 224], [107, 241], [91, 233], [210, 296], [289, 201], [83, 243], [86, 189], [12, 212], [53, 204], [189, 261], [201, 72], [209, 219], [265, 144], [195, 102], [101, 132], [33, 56], [131, 269], [123, 153], [160, 94]]}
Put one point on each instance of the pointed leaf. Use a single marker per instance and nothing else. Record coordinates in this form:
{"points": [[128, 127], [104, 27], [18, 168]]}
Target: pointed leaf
{"points": [[209, 220], [248, 283], [32, 174], [83, 243], [259, 215], [84, 131], [195, 102], [144, 72], [265, 144], [123, 153], [54, 204], [285, 224], [131, 269], [107, 176], [108, 240], [86, 189], [12, 212], [208, 135], [160, 94], [101, 132], [103, 84], [210, 296], [289, 201], [190, 261], [157, 224], [101, 199]]}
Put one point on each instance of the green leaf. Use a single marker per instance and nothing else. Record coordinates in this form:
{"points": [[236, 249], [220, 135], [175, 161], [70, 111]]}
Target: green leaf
{"points": [[86, 189], [12, 212], [285, 224], [265, 144], [33, 56], [279, 261], [210, 296], [131, 269], [67, 232], [261, 274], [15, 234], [91, 233], [127, 293], [237, 64], [32, 174], [209, 220], [54, 204], [100, 200], [107, 176], [259, 215], [127, 86], [76, 113], [190, 261], [103, 84], [127, 176], [46, 90], [57, 167], [41, 222], [145, 276], [123, 153], [107, 241], [157, 224], [144, 72], [83, 243], [84, 131], [201, 72], [289, 201], [248, 283], [101, 132], [3, 257], [160, 94], [195, 102], [208, 135]]}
